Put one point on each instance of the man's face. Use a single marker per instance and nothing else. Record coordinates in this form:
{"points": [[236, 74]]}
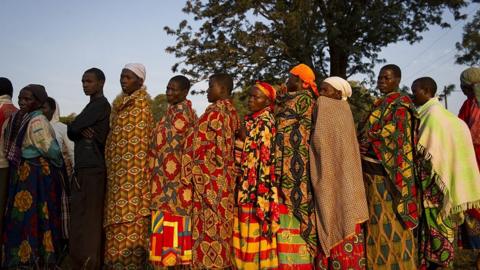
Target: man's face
{"points": [[175, 94], [420, 96], [387, 82], [91, 85]]}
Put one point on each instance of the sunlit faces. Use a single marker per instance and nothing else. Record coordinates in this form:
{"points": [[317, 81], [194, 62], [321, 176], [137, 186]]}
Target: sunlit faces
{"points": [[257, 100], [130, 82], [27, 101], [215, 91], [175, 93], [91, 84], [387, 81], [329, 91], [294, 83], [420, 96]]}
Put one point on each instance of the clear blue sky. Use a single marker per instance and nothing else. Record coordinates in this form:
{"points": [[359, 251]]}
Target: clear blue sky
{"points": [[51, 42]]}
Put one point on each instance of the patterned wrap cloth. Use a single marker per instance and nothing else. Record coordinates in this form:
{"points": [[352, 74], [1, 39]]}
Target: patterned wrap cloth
{"points": [[336, 175], [390, 179], [33, 222], [171, 198], [127, 202], [209, 164], [258, 214], [292, 169]]}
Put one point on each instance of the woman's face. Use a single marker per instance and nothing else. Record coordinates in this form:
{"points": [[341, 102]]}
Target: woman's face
{"points": [[27, 101], [257, 100], [327, 90], [130, 82]]}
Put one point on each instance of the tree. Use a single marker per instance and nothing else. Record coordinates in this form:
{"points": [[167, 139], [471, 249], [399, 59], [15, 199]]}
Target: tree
{"points": [[262, 39], [159, 106], [67, 119], [447, 90], [469, 48]]}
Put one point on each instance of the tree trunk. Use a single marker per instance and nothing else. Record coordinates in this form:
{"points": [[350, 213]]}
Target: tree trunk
{"points": [[338, 62]]}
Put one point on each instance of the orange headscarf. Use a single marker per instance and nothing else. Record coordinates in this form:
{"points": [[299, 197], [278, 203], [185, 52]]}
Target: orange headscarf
{"points": [[266, 89], [307, 75]]}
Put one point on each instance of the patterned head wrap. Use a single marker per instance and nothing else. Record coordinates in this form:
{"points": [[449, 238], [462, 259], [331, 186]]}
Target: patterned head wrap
{"points": [[137, 68], [307, 75], [470, 76], [341, 85], [38, 91], [266, 89]]}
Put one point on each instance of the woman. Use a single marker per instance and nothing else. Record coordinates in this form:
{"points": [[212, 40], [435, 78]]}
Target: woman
{"points": [[387, 145], [33, 224], [127, 207], [254, 242], [297, 236], [336, 174]]}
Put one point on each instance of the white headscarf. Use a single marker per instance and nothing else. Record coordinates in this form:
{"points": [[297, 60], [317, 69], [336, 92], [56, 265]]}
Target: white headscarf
{"points": [[137, 68], [340, 85]]}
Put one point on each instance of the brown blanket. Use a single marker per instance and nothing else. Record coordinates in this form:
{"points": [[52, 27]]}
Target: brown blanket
{"points": [[336, 173]]}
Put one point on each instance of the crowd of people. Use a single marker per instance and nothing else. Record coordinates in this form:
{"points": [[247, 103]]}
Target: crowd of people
{"points": [[296, 184]]}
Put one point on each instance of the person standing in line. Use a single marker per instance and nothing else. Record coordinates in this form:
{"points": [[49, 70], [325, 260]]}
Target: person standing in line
{"points": [[32, 237], [127, 202], [450, 179], [89, 131], [470, 113], [256, 222], [51, 110], [297, 239], [209, 164], [387, 143], [336, 173], [171, 238], [6, 110]]}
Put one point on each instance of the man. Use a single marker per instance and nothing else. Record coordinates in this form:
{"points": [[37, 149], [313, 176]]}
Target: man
{"points": [[450, 180], [6, 109], [89, 132]]}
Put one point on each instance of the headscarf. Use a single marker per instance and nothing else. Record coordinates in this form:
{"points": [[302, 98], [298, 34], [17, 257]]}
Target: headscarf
{"points": [[137, 68], [341, 85], [266, 89], [471, 77], [38, 91], [307, 75]]}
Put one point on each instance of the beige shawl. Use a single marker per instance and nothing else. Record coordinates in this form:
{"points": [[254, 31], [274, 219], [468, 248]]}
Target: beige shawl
{"points": [[336, 173]]}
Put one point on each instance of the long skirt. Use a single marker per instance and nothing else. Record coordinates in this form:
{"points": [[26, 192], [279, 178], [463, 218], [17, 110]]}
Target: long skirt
{"points": [[126, 244], [292, 249], [252, 250], [171, 240], [33, 227], [389, 245], [349, 254]]}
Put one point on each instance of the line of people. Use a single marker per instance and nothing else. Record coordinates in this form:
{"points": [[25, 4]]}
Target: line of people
{"points": [[292, 186]]}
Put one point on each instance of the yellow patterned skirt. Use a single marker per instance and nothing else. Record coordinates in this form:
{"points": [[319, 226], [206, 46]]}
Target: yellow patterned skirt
{"points": [[126, 245]]}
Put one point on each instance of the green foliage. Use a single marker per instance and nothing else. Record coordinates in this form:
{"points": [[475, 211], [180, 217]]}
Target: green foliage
{"points": [[361, 103], [67, 119], [262, 39], [240, 99], [159, 106], [469, 48]]}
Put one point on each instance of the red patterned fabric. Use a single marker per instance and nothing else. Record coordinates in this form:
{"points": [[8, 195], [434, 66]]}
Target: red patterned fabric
{"points": [[209, 164]]}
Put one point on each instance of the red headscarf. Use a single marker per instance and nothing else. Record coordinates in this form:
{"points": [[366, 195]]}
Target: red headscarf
{"points": [[266, 89]]}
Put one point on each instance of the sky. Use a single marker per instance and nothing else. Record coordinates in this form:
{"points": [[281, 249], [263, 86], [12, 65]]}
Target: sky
{"points": [[52, 42]]}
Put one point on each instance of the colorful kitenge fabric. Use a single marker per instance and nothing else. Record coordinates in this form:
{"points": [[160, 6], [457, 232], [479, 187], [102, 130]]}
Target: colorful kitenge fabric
{"points": [[171, 198], [252, 249], [294, 124], [33, 225], [127, 201], [470, 113], [209, 164], [125, 245], [390, 131], [349, 254], [258, 216], [436, 234], [292, 250], [389, 244]]}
